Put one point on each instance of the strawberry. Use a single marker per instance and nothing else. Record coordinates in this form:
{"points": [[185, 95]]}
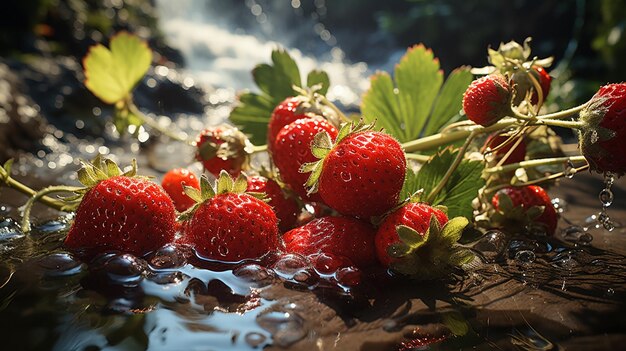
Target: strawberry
{"points": [[518, 154], [227, 224], [602, 137], [173, 183], [223, 147], [120, 212], [487, 100], [361, 174], [522, 207], [418, 240], [285, 207], [523, 84], [293, 149], [290, 110], [341, 236]]}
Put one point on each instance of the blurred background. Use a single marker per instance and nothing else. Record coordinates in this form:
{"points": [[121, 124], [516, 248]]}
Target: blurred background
{"points": [[205, 49]]}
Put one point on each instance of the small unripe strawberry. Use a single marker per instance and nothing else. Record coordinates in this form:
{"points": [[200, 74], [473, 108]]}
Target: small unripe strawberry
{"points": [[223, 147], [603, 134], [487, 100]]}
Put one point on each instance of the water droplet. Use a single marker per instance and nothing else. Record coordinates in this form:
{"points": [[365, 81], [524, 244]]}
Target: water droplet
{"points": [[346, 176], [606, 197], [254, 273], [559, 204], [610, 292], [60, 264], [169, 256], [289, 265], [570, 170], [491, 245], [525, 257], [223, 250]]}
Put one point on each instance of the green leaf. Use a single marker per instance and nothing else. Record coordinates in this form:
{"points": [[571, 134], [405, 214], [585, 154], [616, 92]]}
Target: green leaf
{"points": [[455, 322], [451, 232], [459, 191], [410, 236], [450, 100], [276, 82], [111, 74], [404, 105], [320, 78]]}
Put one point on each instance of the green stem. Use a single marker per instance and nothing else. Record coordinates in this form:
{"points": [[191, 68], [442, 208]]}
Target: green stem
{"points": [[418, 157], [564, 113], [533, 163], [435, 140], [182, 137], [46, 200], [257, 149], [332, 106], [457, 161], [558, 123], [535, 181], [37, 196]]}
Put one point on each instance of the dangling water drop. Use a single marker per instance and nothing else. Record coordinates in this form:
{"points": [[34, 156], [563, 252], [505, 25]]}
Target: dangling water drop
{"points": [[606, 198], [570, 170]]}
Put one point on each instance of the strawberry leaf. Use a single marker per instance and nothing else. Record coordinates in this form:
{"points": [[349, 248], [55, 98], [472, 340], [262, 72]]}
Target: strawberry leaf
{"points": [[459, 191], [276, 81], [112, 73], [413, 103]]}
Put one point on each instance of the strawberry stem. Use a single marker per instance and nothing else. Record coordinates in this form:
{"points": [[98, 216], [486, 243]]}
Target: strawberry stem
{"points": [[257, 149], [457, 161], [37, 196], [537, 181], [182, 137], [533, 163], [332, 106], [24, 189], [418, 157]]}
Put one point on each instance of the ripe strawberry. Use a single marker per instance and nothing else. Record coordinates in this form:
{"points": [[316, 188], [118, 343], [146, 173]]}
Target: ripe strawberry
{"points": [[418, 240], [227, 224], [523, 84], [285, 207], [602, 138], [173, 182], [361, 175], [519, 207], [341, 236], [517, 155], [223, 148], [487, 100], [119, 212], [293, 149]]}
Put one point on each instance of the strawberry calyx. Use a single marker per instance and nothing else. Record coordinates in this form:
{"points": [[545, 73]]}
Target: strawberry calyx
{"points": [[322, 145], [512, 57], [224, 184], [431, 254], [91, 174]]}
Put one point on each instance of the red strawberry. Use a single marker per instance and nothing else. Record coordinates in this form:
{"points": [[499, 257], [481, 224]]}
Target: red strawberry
{"points": [[120, 212], [518, 207], [418, 240], [603, 134], [223, 148], [227, 224], [487, 100], [285, 207], [293, 149], [360, 175], [523, 84], [517, 155], [341, 236], [173, 182]]}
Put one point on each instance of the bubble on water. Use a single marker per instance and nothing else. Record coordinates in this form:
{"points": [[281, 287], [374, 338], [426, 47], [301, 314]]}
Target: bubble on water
{"points": [[566, 260], [289, 265], [577, 234], [254, 273], [255, 339], [610, 292], [525, 256], [169, 256], [5, 210], [286, 327], [491, 245], [60, 264], [349, 276], [124, 269]]}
